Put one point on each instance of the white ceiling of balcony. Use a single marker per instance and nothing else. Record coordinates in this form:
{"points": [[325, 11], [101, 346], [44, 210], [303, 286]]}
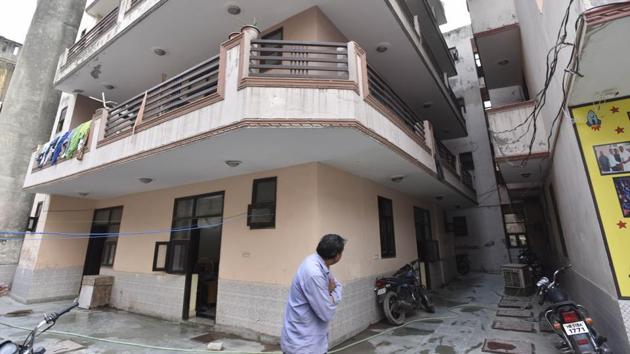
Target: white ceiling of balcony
{"points": [[531, 172], [261, 149], [100, 8], [501, 57], [191, 31], [604, 63]]}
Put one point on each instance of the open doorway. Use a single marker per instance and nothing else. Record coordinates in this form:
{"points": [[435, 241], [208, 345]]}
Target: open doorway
{"points": [[428, 252], [200, 217], [103, 240]]}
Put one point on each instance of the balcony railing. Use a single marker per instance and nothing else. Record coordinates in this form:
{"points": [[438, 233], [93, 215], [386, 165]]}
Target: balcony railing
{"points": [[467, 179], [298, 59], [184, 89], [383, 92], [446, 156], [104, 25]]}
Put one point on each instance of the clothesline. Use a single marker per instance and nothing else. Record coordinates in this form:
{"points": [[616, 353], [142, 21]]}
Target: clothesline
{"points": [[65, 145]]}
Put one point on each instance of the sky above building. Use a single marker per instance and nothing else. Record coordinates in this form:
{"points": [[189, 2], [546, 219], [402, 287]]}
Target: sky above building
{"points": [[456, 14], [15, 18]]}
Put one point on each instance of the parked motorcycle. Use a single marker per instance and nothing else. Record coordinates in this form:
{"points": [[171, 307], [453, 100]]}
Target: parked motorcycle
{"points": [[402, 293], [28, 346], [463, 264], [531, 259], [568, 319]]}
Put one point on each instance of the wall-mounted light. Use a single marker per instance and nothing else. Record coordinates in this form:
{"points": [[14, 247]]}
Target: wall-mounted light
{"points": [[526, 175], [83, 194], [382, 47], [233, 163], [159, 51], [503, 62], [109, 86], [233, 9], [145, 180], [397, 178]]}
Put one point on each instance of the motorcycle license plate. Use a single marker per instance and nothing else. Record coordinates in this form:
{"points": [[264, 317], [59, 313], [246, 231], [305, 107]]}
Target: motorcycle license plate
{"points": [[381, 291], [574, 328]]}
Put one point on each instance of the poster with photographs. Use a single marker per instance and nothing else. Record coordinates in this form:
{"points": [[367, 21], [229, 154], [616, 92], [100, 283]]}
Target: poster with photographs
{"points": [[622, 185], [613, 158]]}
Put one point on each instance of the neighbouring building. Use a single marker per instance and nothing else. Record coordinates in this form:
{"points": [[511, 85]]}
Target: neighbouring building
{"points": [[221, 155], [9, 52], [564, 187]]}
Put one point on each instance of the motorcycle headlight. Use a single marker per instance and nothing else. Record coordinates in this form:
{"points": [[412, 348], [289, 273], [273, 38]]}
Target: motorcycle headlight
{"points": [[542, 282]]}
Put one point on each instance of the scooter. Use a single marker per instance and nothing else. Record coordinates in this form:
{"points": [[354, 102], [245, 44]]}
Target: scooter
{"points": [[27, 347], [531, 259], [402, 293], [568, 319]]}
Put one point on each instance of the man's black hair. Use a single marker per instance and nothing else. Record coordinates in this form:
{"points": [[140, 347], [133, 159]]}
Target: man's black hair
{"points": [[330, 246]]}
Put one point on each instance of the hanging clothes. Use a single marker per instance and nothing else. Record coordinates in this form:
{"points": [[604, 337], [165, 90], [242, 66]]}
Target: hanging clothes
{"points": [[61, 143], [79, 134], [49, 150]]}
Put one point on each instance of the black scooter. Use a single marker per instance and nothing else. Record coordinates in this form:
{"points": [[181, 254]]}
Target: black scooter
{"points": [[568, 319], [27, 347], [402, 293]]}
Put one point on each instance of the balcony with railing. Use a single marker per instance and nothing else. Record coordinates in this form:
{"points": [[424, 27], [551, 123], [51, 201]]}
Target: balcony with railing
{"points": [[326, 84], [91, 37]]}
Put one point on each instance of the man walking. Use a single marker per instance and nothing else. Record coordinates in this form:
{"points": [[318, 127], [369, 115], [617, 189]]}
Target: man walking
{"points": [[313, 299]]}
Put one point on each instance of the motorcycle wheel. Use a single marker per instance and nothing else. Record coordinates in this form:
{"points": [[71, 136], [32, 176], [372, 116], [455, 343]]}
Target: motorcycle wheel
{"points": [[389, 308], [426, 302]]}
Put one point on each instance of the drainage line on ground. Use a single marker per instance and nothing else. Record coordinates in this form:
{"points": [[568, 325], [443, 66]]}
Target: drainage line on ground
{"points": [[155, 347]]}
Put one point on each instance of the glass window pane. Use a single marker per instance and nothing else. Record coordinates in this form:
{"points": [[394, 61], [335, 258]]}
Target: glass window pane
{"points": [[184, 234], [160, 262], [211, 205], [101, 216], [265, 191], [523, 240], [513, 241], [115, 215], [113, 229], [178, 257], [184, 208]]}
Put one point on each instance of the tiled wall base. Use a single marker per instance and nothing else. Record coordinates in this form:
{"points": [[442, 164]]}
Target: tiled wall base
{"points": [[6, 273], [159, 295], [40, 285], [260, 308], [603, 308]]}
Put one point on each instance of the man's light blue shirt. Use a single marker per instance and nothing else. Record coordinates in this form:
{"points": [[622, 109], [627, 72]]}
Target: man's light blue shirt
{"points": [[310, 308]]}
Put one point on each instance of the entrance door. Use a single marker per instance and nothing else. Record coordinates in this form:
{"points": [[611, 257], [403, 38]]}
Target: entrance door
{"points": [[427, 247], [201, 218], [103, 239]]}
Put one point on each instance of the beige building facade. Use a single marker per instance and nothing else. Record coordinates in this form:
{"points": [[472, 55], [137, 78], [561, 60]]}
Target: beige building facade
{"points": [[207, 179]]}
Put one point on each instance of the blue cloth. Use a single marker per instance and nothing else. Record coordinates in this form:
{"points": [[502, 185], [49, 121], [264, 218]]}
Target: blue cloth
{"points": [[59, 147], [310, 308], [48, 151]]}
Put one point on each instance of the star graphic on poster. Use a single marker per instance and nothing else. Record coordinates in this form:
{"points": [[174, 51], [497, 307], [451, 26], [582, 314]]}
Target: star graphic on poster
{"points": [[614, 109], [620, 130], [621, 224]]}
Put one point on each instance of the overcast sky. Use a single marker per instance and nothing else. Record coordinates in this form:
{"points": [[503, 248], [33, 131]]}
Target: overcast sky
{"points": [[456, 14], [15, 17]]}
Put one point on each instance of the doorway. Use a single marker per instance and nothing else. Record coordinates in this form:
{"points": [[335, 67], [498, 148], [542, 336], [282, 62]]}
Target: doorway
{"points": [[427, 247], [103, 240], [199, 218]]}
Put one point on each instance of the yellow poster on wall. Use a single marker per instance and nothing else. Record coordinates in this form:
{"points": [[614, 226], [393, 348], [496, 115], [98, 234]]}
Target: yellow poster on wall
{"points": [[603, 130]]}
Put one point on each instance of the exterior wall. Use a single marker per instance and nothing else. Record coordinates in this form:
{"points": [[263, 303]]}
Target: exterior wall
{"points": [[7, 64], [491, 14], [255, 269], [485, 243], [590, 281], [508, 144], [50, 267], [309, 25]]}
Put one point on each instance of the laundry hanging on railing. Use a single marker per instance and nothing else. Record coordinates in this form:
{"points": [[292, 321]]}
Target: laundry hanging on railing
{"points": [[65, 145], [78, 141]]}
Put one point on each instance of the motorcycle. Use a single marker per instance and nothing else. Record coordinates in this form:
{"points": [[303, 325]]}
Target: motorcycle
{"points": [[28, 346], [568, 319], [531, 259], [402, 293], [463, 264]]}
